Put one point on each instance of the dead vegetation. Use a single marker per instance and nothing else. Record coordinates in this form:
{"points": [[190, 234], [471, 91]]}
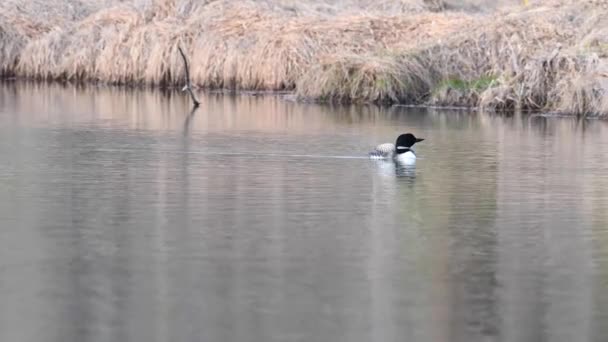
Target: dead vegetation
{"points": [[548, 56]]}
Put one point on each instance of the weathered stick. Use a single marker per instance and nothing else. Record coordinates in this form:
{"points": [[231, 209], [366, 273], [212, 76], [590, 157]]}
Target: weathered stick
{"points": [[188, 85]]}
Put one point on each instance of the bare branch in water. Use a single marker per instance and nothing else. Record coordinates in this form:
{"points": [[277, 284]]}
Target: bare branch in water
{"points": [[188, 85]]}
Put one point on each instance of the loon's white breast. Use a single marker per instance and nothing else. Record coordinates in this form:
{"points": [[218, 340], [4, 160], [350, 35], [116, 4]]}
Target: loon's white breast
{"points": [[407, 158]]}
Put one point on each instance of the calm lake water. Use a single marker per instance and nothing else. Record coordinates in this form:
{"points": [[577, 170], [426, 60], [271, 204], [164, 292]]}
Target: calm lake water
{"points": [[123, 217]]}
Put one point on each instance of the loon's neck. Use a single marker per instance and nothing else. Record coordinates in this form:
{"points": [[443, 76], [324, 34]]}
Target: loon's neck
{"points": [[403, 149]]}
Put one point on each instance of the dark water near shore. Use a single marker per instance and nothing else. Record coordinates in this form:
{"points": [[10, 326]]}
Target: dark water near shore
{"points": [[123, 217]]}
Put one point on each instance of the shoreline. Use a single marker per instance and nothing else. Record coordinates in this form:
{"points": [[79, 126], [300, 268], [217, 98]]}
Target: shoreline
{"points": [[290, 96], [549, 57]]}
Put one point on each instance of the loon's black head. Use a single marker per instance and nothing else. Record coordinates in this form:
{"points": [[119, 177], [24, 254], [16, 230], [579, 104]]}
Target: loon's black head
{"points": [[405, 141]]}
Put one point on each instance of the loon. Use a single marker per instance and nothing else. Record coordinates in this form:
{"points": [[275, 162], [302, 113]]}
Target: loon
{"points": [[401, 151]]}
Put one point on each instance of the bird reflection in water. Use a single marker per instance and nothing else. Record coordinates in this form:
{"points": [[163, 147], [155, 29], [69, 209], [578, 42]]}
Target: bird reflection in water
{"points": [[389, 168], [405, 171]]}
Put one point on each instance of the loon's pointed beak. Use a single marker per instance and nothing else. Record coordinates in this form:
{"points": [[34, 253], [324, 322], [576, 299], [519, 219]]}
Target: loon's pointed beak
{"points": [[419, 140]]}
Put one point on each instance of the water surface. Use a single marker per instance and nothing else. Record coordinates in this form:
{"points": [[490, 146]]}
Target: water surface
{"points": [[125, 217]]}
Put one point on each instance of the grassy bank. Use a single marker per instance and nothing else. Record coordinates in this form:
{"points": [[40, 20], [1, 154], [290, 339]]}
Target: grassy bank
{"points": [[498, 55]]}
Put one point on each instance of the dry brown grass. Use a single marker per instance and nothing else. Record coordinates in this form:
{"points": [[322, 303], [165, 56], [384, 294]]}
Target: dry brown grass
{"points": [[546, 58], [240, 45], [11, 43], [549, 56], [536, 60]]}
